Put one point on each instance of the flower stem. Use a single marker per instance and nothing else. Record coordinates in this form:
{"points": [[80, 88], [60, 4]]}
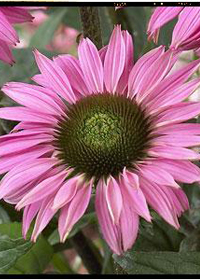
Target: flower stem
{"points": [[91, 24], [89, 256]]}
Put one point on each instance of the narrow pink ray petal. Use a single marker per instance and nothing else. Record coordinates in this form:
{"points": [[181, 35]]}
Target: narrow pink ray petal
{"points": [[174, 96], [71, 67], [16, 15], [181, 196], [7, 32], [102, 53], [181, 170], [23, 174], [129, 224], [180, 128], [29, 125], [137, 73], [158, 200], [114, 199], [114, 60], [134, 196], [172, 81], [91, 65], [66, 193], [160, 17], [187, 24], [40, 80], [29, 214], [10, 161], [32, 97], [131, 178], [178, 113], [111, 232], [23, 114], [43, 189], [23, 143], [55, 76], [177, 140], [44, 216], [74, 210], [157, 175], [5, 53], [154, 74], [123, 82], [171, 152]]}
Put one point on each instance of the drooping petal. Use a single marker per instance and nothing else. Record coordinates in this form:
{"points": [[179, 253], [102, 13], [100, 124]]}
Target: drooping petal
{"points": [[16, 15], [73, 211], [5, 53], [114, 60], [110, 231], [7, 32], [66, 193], [114, 199], [29, 214], [158, 200], [91, 65]]}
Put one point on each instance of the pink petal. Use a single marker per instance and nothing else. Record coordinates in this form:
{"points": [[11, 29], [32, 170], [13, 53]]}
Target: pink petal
{"points": [[178, 113], [159, 201], [180, 128], [7, 32], [140, 67], [177, 140], [172, 81], [71, 67], [43, 218], [134, 196], [29, 214], [160, 17], [187, 24], [73, 211], [114, 199], [5, 53], [23, 174], [10, 161], [66, 193], [174, 96], [158, 175], [182, 170], [171, 152], [16, 14], [32, 97], [123, 82], [114, 60], [23, 143], [110, 231], [102, 53], [23, 114], [91, 65], [42, 190], [55, 76]]}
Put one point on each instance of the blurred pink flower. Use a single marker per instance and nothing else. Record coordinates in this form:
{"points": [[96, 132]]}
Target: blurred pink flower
{"points": [[8, 35], [117, 128], [186, 33]]}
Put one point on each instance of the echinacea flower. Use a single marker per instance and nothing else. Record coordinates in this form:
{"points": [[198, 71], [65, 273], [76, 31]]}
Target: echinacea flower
{"points": [[8, 35], [99, 123], [186, 33]]}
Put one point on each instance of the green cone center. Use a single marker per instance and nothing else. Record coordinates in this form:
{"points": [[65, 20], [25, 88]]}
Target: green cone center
{"points": [[102, 134]]}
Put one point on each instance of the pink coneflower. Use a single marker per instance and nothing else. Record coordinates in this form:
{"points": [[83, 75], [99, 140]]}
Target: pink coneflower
{"points": [[100, 123], [186, 33], [8, 35]]}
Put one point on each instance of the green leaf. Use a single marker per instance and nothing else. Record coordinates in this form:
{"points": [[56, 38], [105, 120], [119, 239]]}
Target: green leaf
{"points": [[72, 18], [4, 217], [158, 236], [22, 256], [61, 264], [45, 32], [159, 262]]}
